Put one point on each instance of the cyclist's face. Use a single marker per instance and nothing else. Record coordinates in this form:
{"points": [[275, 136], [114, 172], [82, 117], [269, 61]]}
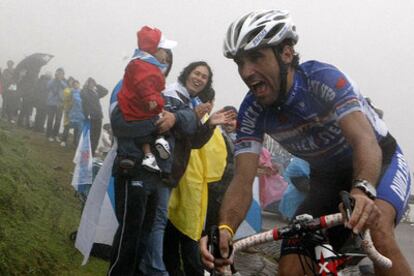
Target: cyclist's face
{"points": [[197, 80], [260, 71]]}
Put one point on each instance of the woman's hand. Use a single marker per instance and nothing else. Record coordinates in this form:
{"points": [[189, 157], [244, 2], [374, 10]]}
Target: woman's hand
{"points": [[166, 121]]}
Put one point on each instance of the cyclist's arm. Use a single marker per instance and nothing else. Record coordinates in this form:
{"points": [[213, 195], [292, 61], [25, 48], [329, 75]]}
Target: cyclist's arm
{"points": [[235, 205], [238, 196], [366, 151], [367, 157]]}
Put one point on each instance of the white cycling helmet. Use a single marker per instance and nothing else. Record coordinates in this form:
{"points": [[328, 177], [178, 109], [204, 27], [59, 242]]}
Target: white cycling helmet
{"points": [[259, 29]]}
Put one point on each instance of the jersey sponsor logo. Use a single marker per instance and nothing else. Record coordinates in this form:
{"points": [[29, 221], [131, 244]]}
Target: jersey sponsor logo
{"points": [[329, 134], [249, 120], [401, 178], [323, 91], [304, 145], [281, 136], [329, 139], [323, 135]]}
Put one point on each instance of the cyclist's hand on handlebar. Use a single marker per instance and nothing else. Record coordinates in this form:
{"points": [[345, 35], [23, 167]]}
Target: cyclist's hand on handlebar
{"points": [[225, 241], [365, 213], [208, 259]]}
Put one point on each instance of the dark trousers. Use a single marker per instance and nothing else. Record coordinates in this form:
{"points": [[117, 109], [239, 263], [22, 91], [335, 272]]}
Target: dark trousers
{"points": [[40, 119], [177, 245], [135, 204], [96, 125], [54, 117], [4, 104], [77, 130], [26, 112], [11, 104]]}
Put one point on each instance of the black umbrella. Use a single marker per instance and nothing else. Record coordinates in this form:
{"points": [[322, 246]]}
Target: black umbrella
{"points": [[27, 71], [30, 66]]}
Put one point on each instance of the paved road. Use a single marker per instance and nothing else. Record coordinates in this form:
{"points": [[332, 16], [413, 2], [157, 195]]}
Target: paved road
{"points": [[405, 237]]}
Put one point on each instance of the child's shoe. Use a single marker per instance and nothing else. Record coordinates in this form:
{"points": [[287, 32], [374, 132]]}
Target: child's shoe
{"points": [[150, 163], [163, 148]]}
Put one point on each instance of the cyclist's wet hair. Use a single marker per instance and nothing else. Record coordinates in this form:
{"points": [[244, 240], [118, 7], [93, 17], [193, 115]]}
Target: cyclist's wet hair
{"points": [[289, 42], [182, 78]]}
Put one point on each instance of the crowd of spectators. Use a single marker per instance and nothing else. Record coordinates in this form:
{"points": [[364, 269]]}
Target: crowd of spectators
{"points": [[54, 105]]}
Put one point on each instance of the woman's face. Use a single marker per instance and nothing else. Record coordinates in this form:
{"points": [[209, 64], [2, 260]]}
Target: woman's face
{"points": [[197, 80]]}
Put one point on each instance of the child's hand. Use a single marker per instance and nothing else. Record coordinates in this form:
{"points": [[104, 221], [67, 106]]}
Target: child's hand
{"points": [[152, 105]]}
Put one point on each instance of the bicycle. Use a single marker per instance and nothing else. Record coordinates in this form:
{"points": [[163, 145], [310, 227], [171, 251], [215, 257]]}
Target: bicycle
{"points": [[307, 229]]}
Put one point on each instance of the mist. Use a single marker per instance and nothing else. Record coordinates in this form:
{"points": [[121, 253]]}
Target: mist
{"points": [[369, 40]]}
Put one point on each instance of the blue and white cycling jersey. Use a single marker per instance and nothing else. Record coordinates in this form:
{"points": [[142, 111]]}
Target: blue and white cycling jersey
{"points": [[308, 123]]}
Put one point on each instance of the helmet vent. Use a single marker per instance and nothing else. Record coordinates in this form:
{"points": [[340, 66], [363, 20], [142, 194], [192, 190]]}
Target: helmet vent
{"points": [[254, 33], [275, 30]]}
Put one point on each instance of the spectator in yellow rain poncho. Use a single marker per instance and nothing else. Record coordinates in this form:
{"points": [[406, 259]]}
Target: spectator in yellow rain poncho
{"points": [[188, 206]]}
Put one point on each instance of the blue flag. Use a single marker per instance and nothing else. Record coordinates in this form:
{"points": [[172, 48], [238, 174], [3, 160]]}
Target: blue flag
{"points": [[252, 224]]}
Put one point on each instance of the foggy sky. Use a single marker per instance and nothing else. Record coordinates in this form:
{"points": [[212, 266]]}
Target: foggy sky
{"points": [[371, 41]]}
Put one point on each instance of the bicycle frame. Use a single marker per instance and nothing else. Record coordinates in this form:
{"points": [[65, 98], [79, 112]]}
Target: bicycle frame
{"points": [[327, 262]]}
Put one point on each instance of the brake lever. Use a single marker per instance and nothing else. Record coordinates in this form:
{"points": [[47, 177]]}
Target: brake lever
{"points": [[349, 204], [214, 241]]}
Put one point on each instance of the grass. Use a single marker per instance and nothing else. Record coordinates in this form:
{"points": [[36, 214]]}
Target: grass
{"points": [[38, 207]]}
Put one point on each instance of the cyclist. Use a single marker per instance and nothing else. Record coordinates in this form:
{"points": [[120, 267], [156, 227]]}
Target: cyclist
{"points": [[318, 114]]}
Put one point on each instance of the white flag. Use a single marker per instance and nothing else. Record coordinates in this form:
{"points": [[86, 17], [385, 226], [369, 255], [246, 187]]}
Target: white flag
{"points": [[83, 159]]}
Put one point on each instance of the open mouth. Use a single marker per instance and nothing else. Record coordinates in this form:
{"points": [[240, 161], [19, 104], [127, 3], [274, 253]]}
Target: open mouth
{"points": [[258, 88], [197, 83]]}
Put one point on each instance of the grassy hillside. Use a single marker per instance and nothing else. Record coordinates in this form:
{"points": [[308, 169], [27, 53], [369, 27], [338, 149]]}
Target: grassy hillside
{"points": [[38, 208]]}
